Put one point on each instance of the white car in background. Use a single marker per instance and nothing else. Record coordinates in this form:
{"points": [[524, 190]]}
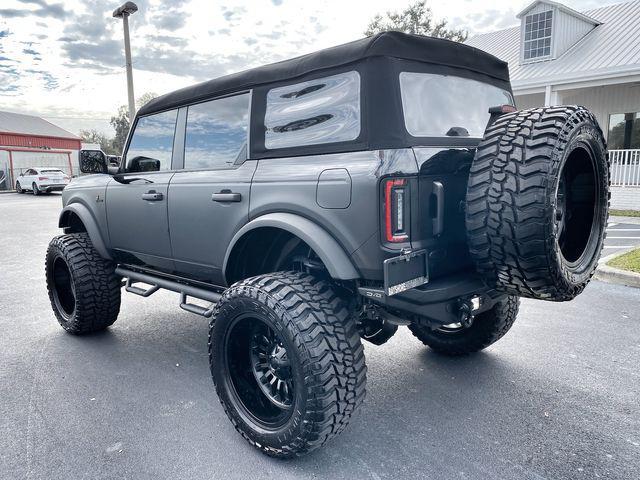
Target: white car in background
{"points": [[42, 180]]}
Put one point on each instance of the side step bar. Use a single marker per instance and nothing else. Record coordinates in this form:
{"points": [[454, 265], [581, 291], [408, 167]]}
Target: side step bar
{"points": [[167, 284]]}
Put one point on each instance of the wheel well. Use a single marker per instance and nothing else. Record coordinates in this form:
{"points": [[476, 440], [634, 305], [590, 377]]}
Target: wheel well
{"points": [[269, 249], [72, 223]]}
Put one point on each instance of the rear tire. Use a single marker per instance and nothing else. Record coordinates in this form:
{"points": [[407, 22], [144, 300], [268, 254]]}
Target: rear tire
{"points": [[487, 328], [35, 189], [287, 362], [538, 201], [83, 288]]}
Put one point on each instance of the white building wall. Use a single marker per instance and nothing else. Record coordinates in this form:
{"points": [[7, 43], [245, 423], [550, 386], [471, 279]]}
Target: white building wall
{"points": [[529, 101], [625, 198], [604, 101]]}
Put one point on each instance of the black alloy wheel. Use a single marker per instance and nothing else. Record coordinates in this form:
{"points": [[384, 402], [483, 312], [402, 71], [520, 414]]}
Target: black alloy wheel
{"points": [[260, 372]]}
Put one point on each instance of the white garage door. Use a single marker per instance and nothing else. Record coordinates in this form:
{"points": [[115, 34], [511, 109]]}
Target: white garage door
{"points": [[5, 173], [24, 160]]}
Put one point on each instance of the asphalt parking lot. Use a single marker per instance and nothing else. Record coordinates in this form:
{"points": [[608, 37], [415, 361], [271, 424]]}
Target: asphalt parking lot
{"points": [[557, 397]]}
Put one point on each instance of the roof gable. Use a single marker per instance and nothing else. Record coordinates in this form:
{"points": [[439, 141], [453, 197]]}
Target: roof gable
{"points": [[611, 48], [559, 6]]}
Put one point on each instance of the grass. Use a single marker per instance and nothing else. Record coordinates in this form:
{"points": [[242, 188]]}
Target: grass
{"points": [[625, 213], [629, 261]]}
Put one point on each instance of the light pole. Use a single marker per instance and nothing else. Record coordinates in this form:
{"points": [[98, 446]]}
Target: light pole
{"points": [[123, 12]]}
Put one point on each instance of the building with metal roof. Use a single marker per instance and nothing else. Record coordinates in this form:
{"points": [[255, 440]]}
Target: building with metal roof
{"points": [[28, 141], [592, 58]]}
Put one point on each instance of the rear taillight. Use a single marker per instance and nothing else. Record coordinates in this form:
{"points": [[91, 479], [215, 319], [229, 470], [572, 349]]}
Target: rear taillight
{"points": [[396, 199], [43, 178]]}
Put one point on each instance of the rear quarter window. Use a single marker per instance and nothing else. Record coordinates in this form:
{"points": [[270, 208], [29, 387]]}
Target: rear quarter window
{"points": [[325, 110], [437, 105]]}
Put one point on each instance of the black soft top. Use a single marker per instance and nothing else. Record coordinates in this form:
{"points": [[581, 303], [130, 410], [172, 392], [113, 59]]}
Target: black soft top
{"points": [[386, 44]]}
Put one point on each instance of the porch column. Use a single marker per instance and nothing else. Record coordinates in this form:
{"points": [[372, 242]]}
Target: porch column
{"points": [[551, 96]]}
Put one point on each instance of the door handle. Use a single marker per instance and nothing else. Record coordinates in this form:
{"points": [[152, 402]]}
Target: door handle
{"points": [[226, 196], [152, 196]]}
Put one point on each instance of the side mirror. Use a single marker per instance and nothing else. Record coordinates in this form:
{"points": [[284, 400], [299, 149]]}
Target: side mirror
{"points": [[93, 161]]}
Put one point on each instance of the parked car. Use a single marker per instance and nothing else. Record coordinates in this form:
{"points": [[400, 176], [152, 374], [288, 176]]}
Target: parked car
{"points": [[332, 198], [42, 180]]}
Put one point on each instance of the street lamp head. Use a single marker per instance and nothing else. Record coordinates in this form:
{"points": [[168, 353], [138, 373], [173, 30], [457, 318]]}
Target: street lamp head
{"points": [[126, 9]]}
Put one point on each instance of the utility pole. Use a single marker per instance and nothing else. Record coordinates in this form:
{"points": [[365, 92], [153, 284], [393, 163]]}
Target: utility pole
{"points": [[123, 12]]}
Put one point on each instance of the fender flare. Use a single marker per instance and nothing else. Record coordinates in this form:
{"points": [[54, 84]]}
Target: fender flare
{"points": [[90, 225], [333, 256]]}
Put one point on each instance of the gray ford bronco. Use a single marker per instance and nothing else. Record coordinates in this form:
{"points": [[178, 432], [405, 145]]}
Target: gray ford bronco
{"points": [[309, 204]]}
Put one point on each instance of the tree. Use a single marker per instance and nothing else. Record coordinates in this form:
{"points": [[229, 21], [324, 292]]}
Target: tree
{"points": [[417, 18], [94, 136], [121, 124]]}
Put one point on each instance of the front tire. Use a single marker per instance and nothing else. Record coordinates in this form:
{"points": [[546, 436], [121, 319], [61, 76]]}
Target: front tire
{"points": [[19, 188], [287, 362], [83, 288], [487, 328]]}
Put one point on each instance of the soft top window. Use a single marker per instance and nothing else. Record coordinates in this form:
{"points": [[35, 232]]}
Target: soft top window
{"points": [[325, 110], [448, 106]]}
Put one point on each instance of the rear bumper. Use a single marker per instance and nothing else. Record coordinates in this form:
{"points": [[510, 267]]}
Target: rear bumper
{"points": [[52, 188], [438, 301]]}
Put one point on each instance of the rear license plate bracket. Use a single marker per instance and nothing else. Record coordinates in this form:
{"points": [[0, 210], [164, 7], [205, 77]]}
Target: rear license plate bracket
{"points": [[405, 272]]}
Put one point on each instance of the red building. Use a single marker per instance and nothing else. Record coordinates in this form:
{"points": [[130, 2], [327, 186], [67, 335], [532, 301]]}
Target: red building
{"points": [[27, 141]]}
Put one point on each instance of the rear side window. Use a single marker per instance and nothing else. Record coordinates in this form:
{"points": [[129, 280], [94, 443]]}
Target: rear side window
{"points": [[448, 106], [325, 110], [151, 145], [216, 133]]}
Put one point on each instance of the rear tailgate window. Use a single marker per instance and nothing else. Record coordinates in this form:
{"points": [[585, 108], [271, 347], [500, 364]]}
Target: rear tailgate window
{"points": [[437, 105]]}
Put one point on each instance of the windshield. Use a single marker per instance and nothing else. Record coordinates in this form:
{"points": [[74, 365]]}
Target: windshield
{"points": [[444, 105]]}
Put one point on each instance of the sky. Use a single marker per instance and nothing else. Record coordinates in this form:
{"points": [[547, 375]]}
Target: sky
{"points": [[64, 60]]}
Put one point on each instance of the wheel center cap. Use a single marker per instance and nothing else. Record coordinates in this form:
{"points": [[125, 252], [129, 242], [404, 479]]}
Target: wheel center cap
{"points": [[279, 363]]}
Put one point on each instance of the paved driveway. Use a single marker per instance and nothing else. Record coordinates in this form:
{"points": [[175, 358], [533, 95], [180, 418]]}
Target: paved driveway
{"points": [[558, 397]]}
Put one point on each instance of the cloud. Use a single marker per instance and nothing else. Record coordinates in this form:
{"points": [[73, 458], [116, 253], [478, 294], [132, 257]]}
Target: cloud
{"points": [[171, 17], [55, 10], [233, 15], [4, 33], [49, 81], [277, 3]]}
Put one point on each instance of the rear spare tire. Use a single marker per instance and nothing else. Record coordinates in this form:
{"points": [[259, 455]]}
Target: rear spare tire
{"points": [[537, 202]]}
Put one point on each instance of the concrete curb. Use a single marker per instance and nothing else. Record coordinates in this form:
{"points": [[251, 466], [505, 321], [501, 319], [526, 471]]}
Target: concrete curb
{"points": [[609, 274]]}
